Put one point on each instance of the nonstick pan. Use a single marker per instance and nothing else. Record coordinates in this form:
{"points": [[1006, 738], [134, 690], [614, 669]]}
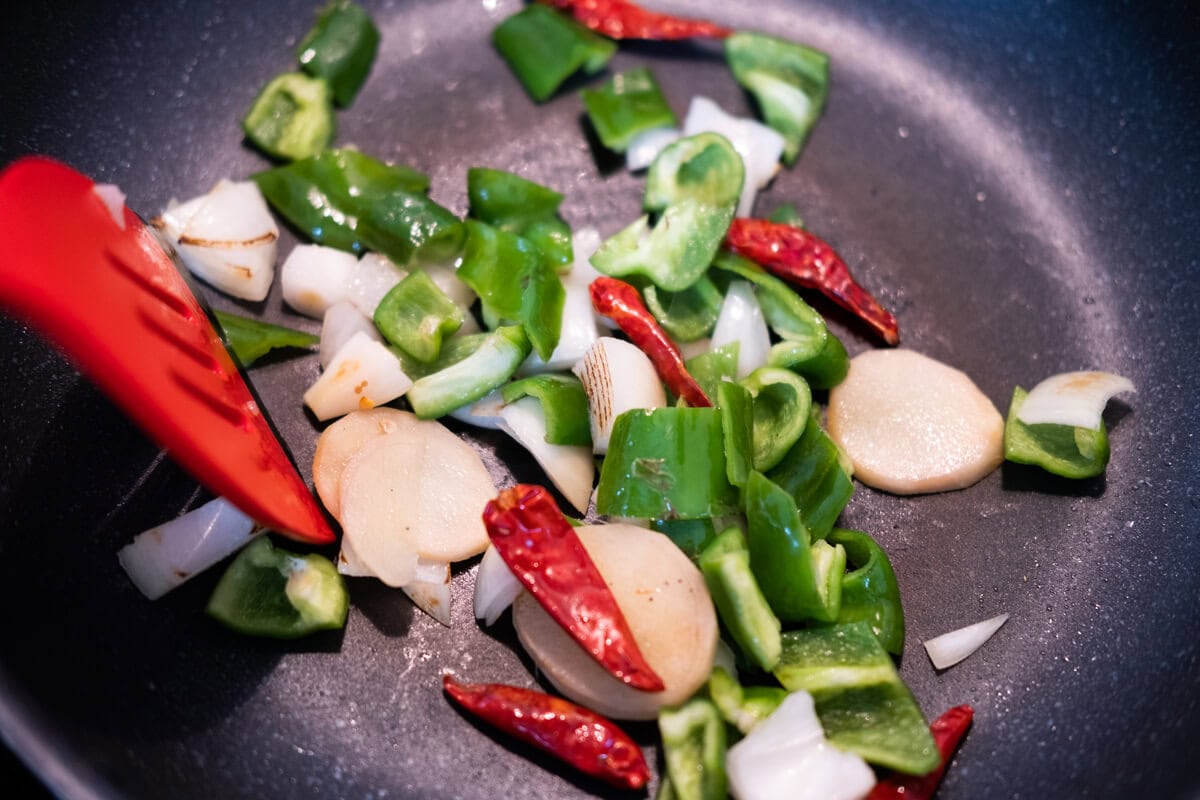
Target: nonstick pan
{"points": [[1016, 180]]}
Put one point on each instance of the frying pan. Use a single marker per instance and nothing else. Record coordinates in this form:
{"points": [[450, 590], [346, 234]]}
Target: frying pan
{"points": [[1016, 180]]}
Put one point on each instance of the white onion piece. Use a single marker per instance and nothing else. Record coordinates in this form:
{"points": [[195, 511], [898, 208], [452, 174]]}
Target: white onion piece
{"points": [[692, 349], [617, 377], [495, 587], [725, 659], [759, 146], [445, 277], [430, 589], [786, 757], [362, 375], [172, 221], [165, 556], [585, 243], [114, 200], [646, 146], [341, 322], [313, 278], [483, 413], [578, 331], [229, 240], [370, 281], [1072, 398], [571, 468], [741, 320], [950, 648]]}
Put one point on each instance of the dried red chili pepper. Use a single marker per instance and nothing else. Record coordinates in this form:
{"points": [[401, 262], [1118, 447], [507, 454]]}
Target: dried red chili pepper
{"points": [[621, 301], [544, 553], [582, 738], [798, 256], [621, 19], [948, 731]]}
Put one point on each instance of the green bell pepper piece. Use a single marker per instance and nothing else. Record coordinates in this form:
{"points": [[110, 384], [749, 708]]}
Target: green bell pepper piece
{"points": [[743, 707], [812, 473], [744, 611], [666, 463], [687, 315], [340, 48], [251, 339], [324, 196], [788, 80], [675, 253], [415, 315], [453, 350], [801, 579], [511, 203], [870, 591], [564, 403], [406, 225], [515, 283], [629, 104], [689, 535], [292, 117], [271, 592], [782, 401], [496, 358], [786, 214], [825, 370], [703, 167], [861, 702], [736, 405], [790, 317], [713, 368], [544, 48], [693, 738], [1059, 449]]}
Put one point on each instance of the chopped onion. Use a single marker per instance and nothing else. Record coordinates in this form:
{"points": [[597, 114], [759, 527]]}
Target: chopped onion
{"points": [[313, 278], [430, 590], [571, 468], [617, 377], [483, 413], [373, 278], [362, 375], [741, 320], [342, 321], [759, 146], [786, 757], [1072, 398], [495, 587], [114, 201], [164, 557], [578, 331], [445, 277], [646, 146], [950, 648]]}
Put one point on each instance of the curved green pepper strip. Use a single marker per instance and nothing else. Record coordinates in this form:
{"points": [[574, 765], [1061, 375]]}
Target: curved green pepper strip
{"points": [[870, 591], [713, 368], [704, 167], [1059, 449], [564, 403], [693, 738], [740, 603], [405, 225], [251, 339], [782, 401], [825, 370], [812, 473], [416, 314], [802, 580], [497, 356], [340, 48], [787, 314], [743, 706], [530, 210], [292, 117], [688, 315], [736, 405]]}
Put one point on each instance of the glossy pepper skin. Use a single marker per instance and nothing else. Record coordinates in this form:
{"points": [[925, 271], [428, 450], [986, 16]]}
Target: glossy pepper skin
{"points": [[542, 550], [581, 738], [621, 302], [798, 256], [621, 19], [948, 731], [870, 591]]}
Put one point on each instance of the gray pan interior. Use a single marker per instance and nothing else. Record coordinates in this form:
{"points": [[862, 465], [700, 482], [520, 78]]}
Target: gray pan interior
{"points": [[1015, 179]]}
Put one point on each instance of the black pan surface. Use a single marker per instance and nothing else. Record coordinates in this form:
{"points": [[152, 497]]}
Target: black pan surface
{"points": [[1017, 180]]}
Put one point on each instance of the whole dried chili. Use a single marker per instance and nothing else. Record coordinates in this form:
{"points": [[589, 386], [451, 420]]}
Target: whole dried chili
{"points": [[544, 553], [798, 256], [582, 738], [621, 302], [948, 731], [621, 19]]}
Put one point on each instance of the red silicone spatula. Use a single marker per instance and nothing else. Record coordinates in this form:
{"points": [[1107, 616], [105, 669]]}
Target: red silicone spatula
{"points": [[113, 300]]}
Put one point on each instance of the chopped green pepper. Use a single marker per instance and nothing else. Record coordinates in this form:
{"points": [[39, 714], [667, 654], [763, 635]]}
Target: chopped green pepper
{"points": [[789, 81], [782, 401], [704, 168], [415, 315], [272, 592], [824, 370], [688, 315], [453, 350], [544, 48], [1059, 449], [251, 339], [786, 214], [743, 707], [812, 473], [493, 362], [863, 705], [744, 611], [713, 368], [292, 117], [563, 401], [514, 204], [689, 535], [736, 405], [627, 105], [340, 48], [801, 579], [693, 737], [789, 316], [870, 591], [405, 225], [666, 463]]}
